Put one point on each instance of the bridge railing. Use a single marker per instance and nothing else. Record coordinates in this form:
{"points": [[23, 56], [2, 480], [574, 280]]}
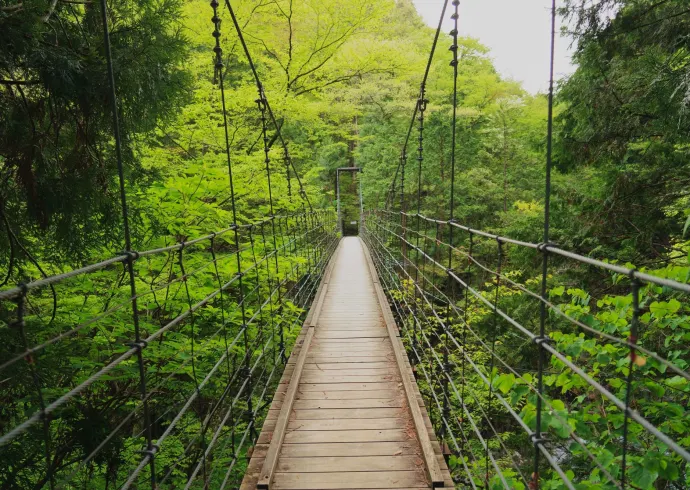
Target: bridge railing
{"points": [[580, 387], [164, 389]]}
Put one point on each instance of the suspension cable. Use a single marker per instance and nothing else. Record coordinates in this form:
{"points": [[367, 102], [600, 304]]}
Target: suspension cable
{"points": [[545, 253], [238, 29], [421, 90], [130, 254]]}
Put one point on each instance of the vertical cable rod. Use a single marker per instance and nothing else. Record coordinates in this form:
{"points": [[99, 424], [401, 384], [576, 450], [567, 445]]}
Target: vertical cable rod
{"points": [[537, 437], [494, 335], [403, 207], [454, 122], [241, 299], [454, 63], [421, 104], [634, 327], [151, 449], [361, 202], [424, 78], [337, 197], [250, 60]]}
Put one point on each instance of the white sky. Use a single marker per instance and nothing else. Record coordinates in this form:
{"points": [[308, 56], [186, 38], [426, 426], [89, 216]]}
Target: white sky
{"points": [[516, 31]]}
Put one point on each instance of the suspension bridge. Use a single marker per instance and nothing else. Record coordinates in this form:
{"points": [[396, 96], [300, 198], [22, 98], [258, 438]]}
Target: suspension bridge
{"points": [[305, 360]]}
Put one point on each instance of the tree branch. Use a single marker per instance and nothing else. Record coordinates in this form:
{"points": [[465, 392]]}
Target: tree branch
{"points": [[51, 9]]}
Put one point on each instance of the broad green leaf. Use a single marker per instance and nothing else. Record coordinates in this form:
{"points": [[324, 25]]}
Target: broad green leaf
{"points": [[642, 477]]}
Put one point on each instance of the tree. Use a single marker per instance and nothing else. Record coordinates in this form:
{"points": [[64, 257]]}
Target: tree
{"points": [[55, 134], [627, 119]]}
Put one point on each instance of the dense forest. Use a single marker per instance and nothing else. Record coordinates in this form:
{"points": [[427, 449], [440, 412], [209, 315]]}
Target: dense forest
{"points": [[343, 80]]}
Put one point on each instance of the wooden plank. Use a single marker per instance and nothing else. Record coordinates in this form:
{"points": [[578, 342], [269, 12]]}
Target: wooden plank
{"points": [[332, 315], [347, 480], [347, 334], [376, 435], [335, 357], [279, 396], [379, 351], [349, 354], [337, 312], [342, 395], [349, 323], [278, 435], [318, 377], [361, 403], [397, 414], [368, 311], [434, 471], [329, 352], [332, 424], [352, 327], [344, 303], [330, 464], [347, 386], [328, 366], [345, 306], [352, 346], [375, 351], [350, 342], [347, 413], [346, 424], [350, 376], [347, 449], [353, 350], [348, 395]]}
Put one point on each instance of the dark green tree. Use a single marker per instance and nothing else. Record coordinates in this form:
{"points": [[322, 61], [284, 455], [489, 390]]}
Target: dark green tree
{"points": [[627, 123], [56, 126]]}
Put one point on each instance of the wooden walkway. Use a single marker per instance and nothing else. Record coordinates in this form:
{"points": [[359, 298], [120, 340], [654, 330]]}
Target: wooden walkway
{"points": [[347, 413]]}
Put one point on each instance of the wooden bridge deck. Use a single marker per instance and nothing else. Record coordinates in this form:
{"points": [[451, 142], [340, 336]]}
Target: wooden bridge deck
{"points": [[348, 413]]}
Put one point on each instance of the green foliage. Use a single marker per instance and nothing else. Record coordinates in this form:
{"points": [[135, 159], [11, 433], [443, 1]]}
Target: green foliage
{"points": [[200, 355], [627, 121], [493, 393], [56, 130]]}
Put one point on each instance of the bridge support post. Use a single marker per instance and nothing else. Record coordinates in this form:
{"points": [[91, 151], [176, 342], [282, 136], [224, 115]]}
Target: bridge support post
{"points": [[337, 190]]}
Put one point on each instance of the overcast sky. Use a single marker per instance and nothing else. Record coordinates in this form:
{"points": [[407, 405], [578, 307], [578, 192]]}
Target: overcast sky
{"points": [[516, 32]]}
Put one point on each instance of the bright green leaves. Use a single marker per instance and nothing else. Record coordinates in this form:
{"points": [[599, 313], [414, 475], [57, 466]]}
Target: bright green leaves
{"points": [[518, 393], [529, 415], [668, 469], [655, 389], [603, 357], [505, 382], [663, 309], [645, 471], [580, 296], [677, 383], [516, 388], [511, 477], [657, 395], [554, 417]]}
